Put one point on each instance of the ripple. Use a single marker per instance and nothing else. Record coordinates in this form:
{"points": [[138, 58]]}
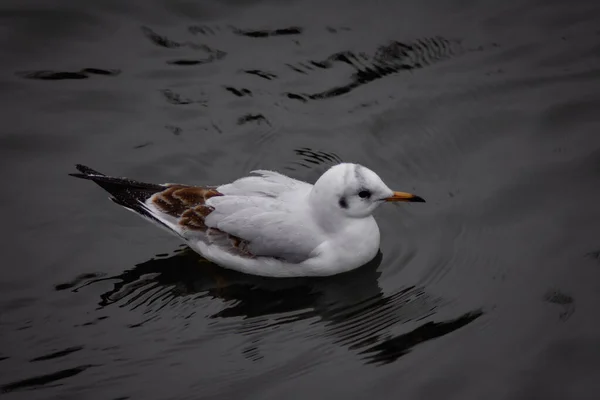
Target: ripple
{"points": [[348, 310], [263, 74], [175, 98], [238, 92], [593, 255], [58, 354], [78, 280], [47, 75], [43, 380], [390, 350], [196, 61], [159, 40], [313, 159], [164, 42], [364, 325], [565, 301], [142, 145], [185, 273], [258, 118], [175, 130], [388, 59], [293, 30], [203, 29]]}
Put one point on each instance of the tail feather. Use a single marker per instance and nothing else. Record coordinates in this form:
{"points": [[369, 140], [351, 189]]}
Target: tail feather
{"points": [[125, 192], [107, 182], [86, 170]]}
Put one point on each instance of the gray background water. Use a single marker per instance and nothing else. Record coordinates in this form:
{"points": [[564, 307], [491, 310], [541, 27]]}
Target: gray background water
{"points": [[487, 109]]}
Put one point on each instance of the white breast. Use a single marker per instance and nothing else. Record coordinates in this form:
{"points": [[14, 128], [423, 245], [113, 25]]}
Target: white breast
{"points": [[354, 246]]}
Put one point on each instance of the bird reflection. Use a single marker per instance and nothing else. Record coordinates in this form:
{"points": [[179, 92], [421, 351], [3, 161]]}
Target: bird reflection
{"points": [[185, 273], [351, 307]]}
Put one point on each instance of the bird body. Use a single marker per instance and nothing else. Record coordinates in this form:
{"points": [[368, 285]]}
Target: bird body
{"points": [[267, 224]]}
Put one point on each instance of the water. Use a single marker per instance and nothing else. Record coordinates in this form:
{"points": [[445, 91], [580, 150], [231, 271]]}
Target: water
{"points": [[488, 110]]}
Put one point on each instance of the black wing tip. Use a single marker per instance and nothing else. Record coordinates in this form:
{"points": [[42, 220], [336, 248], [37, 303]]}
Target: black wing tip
{"points": [[84, 169], [85, 172], [82, 176], [124, 192]]}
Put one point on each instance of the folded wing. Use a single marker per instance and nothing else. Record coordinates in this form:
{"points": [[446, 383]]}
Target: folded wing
{"points": [[268, 226], [253, 216]]}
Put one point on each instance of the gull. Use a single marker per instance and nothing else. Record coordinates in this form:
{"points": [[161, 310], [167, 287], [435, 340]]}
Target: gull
{"points": [[266, 223]]}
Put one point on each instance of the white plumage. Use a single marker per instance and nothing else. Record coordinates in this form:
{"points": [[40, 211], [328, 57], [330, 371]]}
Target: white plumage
{"points": [[268, 224]]}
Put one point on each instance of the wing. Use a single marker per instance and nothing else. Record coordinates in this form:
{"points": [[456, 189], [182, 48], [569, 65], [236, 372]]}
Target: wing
{"points": [[176, 207], [263, 211], [266, 184], [248, 217], [268, 226]]}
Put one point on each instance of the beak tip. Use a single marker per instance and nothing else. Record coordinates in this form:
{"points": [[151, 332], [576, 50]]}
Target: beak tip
{"points": [[406, 197]]}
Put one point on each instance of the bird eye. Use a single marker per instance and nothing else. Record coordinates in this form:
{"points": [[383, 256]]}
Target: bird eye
{"points": [[364, 194]]}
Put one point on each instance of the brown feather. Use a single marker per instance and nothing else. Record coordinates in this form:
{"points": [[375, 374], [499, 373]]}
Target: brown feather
{"points": [[188, 204]]}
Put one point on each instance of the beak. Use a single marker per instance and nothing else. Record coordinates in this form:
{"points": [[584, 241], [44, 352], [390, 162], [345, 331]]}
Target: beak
{"points": [[401, 196]]}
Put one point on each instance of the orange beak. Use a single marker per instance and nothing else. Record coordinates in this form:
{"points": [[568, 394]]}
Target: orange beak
{"points": [[401, 196]]}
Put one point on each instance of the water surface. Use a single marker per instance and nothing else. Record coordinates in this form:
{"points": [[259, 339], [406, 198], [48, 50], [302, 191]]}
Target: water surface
{"points": [[488, 110]]}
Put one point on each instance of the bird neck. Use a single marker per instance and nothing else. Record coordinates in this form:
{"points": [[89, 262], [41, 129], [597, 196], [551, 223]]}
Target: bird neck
{"points": [[327, 213]]}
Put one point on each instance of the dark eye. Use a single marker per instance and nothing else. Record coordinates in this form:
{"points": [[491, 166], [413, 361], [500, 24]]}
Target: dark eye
{"points": [[364, 194]]}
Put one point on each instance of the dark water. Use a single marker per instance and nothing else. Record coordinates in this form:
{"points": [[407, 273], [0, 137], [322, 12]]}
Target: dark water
{"points": [[489, 110]]}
